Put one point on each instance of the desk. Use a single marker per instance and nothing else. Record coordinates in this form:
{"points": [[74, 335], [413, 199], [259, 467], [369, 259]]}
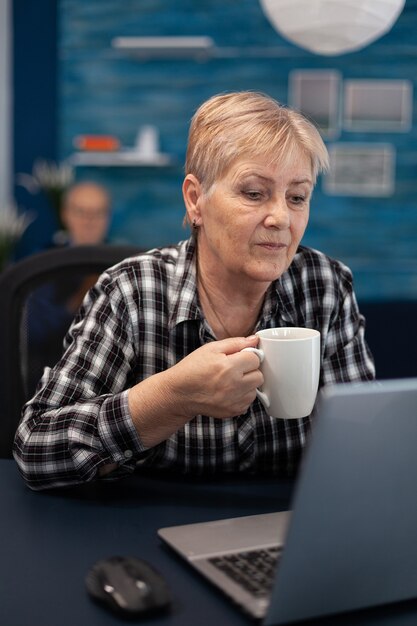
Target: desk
{"points": [[49, 540]]}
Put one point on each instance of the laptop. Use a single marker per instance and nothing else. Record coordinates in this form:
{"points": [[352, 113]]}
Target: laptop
{"points": [[350, 540]]}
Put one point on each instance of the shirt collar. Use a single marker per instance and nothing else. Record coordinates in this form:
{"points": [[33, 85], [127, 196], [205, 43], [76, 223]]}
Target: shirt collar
{"points": [[280, 301], [288, 294], [184, 285]]}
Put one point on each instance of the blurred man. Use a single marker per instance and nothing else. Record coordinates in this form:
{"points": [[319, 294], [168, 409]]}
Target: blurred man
{"points": [[85, 213]]}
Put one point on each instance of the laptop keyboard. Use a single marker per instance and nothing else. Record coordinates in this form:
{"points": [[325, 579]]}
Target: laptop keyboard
{"points": [[254, 570]]}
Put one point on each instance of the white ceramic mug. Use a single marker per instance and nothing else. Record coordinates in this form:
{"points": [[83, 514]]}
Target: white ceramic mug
{"points": [[290, 363]]}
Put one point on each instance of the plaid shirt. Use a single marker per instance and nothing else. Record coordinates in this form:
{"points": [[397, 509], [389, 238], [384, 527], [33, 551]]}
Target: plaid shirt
{"points": [[143, 316]]}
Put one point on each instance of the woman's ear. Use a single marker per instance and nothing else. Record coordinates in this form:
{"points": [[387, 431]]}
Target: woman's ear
{"points": [[192, 193]]}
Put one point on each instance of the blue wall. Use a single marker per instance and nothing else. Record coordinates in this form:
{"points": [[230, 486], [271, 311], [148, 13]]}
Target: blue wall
{"points": [[102, 90], [35, 107]]}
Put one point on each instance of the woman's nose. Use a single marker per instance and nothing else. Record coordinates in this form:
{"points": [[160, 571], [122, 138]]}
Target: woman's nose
{"points": [[278, 214]]}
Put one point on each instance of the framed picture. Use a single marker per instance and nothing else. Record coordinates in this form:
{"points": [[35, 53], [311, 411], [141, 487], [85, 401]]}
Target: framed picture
{"points": [[360, 170], [378, 105], [316, 94]]}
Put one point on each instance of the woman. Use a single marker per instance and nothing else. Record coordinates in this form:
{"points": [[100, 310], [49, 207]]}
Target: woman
{"points": [[154, 372]]}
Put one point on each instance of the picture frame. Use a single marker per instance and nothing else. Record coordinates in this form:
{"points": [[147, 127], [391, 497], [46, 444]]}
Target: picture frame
{"points": [[378, 105], [316, 94], [360, 170]]}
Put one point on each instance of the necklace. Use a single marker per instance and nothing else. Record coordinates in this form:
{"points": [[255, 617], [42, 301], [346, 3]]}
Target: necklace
{"points": [[216, 315]]}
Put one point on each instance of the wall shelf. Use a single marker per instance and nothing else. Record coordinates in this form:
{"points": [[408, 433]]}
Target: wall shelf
{"points": [[201, 48], [127, 158], [165, 47]]}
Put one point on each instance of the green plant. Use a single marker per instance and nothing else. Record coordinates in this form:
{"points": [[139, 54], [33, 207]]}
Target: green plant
{"points": [[12, 226], [53, 179]]}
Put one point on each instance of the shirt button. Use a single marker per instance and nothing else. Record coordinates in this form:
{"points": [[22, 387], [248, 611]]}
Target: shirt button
{"points": [[128, 454]]}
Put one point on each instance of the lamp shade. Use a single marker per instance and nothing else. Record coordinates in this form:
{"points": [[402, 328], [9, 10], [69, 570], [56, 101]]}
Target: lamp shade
{"points": [[332, 27]]}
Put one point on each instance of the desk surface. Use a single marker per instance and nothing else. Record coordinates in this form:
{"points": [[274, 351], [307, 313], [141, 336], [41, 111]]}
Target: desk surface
{"points": [[49, 540]]}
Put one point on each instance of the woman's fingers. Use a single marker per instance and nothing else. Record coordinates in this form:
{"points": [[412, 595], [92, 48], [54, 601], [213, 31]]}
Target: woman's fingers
{"points": [[219, 379]]}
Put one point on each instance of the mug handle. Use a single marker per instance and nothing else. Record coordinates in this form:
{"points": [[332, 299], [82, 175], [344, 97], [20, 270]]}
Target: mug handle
{"points": [[261, 395]]}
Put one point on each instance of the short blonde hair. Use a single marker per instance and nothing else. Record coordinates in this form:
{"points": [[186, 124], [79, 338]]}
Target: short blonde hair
{"points": [[230, 125]]}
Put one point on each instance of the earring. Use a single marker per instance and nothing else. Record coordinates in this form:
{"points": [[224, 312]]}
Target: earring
{"points": [[194, 224]]}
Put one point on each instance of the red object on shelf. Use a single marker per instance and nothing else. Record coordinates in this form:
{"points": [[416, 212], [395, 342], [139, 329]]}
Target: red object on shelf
{"points": [[97, 143]]}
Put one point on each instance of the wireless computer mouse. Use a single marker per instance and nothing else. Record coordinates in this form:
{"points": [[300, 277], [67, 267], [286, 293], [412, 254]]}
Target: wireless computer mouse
{"points": [[127, 585]]}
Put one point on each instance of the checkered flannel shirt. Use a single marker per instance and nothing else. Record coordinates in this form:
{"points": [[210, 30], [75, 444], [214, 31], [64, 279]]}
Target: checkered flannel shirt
{"points": [[143, 316]]}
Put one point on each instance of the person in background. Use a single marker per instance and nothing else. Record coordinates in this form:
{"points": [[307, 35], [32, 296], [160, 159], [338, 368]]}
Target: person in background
{"points": [[154, 375], [85, 213]]}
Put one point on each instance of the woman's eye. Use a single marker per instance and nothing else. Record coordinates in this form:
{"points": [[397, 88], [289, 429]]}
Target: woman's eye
{"points": [[252, 194], [299, 200]]}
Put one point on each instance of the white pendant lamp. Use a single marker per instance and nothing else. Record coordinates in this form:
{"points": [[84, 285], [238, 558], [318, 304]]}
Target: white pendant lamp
{"points": [[332, 27]]}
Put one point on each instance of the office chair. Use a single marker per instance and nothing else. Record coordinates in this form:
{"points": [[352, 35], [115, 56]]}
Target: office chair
{"points": [[391, 333], [39, 297]]}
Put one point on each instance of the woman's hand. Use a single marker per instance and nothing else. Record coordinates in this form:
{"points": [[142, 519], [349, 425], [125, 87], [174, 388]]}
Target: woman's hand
{"points": [[217, 379]]}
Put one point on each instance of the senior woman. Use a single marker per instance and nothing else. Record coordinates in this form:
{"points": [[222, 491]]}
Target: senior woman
{"points": [[153, 373]]}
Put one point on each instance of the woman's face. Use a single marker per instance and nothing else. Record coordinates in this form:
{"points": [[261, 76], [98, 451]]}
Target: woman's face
{"points": [[253, 218]]}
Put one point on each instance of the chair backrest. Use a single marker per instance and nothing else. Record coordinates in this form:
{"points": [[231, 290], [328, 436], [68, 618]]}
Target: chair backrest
{"points": [[391, 332], [39, 298]]}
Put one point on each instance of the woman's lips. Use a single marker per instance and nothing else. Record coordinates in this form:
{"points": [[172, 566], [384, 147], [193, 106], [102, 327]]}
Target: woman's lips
{"points": [[273, 246]]}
